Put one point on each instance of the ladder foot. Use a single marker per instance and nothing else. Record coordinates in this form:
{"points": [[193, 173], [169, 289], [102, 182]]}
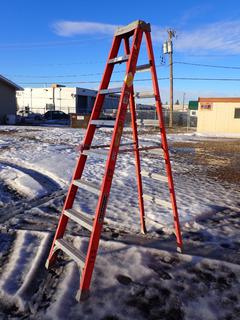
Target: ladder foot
{"points": [[48, 264], [51, 260], [143, 230], [82, 295], [180, 249]]}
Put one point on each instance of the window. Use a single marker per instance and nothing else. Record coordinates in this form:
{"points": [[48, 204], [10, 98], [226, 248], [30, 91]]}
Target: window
{"points": [[207, 106], [237, 113], [82, 104]]}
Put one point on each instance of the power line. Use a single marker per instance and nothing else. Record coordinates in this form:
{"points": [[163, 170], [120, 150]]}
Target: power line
{"points": [[209, 79], [137, 80], [119, 71], [67, 75], [207, 65], [210, 55]]}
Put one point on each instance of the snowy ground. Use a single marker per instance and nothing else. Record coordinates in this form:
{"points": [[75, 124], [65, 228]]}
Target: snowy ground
{"points": [[135, 276]]}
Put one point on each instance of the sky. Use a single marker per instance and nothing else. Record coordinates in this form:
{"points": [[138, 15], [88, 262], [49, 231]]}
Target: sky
{"points": [[43, 42]]}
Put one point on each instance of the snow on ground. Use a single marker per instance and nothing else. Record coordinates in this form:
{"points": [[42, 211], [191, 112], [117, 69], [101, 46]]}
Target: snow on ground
{"points": [[135, 276], [129, 282], [52, 151]]}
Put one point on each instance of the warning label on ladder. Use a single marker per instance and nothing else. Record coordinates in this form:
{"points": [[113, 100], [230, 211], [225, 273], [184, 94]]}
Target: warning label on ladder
{"points": [[129, 79]]}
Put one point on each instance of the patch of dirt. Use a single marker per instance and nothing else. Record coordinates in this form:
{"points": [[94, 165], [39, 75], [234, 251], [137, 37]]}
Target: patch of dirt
{"points": [[218, 159]]}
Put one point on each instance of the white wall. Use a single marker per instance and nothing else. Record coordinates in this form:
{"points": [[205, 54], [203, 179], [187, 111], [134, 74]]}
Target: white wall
{"points": [[64, 99], [37, 99]]}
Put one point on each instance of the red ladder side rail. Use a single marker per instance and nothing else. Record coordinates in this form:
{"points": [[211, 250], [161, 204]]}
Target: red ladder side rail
{"points": [[100, 97], [164, 140], [86, 144], [136, 150], [110, 166]]}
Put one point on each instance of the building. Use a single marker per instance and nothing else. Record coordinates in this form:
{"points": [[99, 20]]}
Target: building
{"points": [[8, 105], [219, 115], [69, 100]]}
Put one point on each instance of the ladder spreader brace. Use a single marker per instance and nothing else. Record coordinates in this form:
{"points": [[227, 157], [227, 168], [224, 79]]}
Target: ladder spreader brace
{"points": [[86, 261]]}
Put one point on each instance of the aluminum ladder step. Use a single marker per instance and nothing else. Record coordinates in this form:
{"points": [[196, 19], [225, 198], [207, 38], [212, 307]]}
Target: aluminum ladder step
{"points": [[96, 152], [111, 90], [143, 67], [119, 59], [143, 95], [71, 251], [88, 186], [130, 28], [154, 176], [103, 123], [161, 202], [80, 217]]}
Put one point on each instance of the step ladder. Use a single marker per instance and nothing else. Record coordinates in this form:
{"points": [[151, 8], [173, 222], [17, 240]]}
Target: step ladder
{"points": [[133, 32]]}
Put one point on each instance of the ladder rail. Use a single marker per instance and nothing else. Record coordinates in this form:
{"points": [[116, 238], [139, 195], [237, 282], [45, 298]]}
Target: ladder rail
{"points": [[136, 150], [164, 140], [100, 97], [86, 144]]}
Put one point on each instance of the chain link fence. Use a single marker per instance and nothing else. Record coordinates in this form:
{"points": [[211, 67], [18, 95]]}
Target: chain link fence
{"points": [[183, 120]]}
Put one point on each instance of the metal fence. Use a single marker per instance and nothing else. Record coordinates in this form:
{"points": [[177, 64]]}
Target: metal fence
{"points": [[181, 119], [148, 118]]}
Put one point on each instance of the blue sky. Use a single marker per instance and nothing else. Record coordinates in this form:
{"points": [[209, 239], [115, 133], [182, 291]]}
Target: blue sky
{"points": [[68, 41]]}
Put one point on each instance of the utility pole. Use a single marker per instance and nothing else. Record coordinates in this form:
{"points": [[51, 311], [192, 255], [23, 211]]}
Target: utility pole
{"points": [[184, 96], [168, 48]]}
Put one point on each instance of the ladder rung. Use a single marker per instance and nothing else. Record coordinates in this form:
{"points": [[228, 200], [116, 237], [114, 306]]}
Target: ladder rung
{"points": [[71, 251], [119, 59], [157, 149], [80, 217], [89, 186], [161, 202], [111, 90], [108, 145], [103, 123], [143, 67], [154, 176], [142, 95], [96, 152]]}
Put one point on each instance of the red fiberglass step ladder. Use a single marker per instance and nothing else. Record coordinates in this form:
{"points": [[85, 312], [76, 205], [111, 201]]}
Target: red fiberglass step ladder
{"points": [[133, 31]]}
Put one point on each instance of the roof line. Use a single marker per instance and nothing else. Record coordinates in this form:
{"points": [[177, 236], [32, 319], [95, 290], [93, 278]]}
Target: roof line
{"points": [[227, 99], [11, 83]]}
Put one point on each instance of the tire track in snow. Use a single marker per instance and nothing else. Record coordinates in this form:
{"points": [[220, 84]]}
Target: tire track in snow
{"points": [[23, 271], [53, 191], [46, 182], [11, 211]]}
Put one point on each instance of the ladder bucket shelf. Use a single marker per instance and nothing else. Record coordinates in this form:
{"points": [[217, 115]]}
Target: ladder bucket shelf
{"points": [[135, 32]]}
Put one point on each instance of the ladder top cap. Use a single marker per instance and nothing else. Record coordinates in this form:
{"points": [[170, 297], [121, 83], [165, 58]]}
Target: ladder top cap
{"points": [[132, 26]]}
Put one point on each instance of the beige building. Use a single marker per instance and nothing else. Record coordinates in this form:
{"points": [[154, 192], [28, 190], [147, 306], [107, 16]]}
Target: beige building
{"points": [[219, 115]]}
